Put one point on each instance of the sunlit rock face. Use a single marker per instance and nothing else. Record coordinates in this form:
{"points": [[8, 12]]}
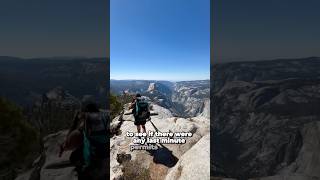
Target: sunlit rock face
{"points": [[170, 158], [261, 112]]}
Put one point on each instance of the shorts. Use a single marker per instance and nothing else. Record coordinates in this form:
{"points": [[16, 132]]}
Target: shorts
{"points": [[140, 122]]}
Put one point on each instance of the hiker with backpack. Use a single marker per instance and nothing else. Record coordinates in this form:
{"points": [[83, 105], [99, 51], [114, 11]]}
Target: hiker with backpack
{"points": [[88, 140], [141, 112]]}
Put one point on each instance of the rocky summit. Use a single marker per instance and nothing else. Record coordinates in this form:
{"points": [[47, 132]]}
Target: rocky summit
{"points": [[49, 166], [53, 113], [169, 161]]}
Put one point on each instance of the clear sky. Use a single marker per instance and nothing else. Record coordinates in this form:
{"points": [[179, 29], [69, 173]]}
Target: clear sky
{"points": [[160, 39], [265, 29], [46, 28]]}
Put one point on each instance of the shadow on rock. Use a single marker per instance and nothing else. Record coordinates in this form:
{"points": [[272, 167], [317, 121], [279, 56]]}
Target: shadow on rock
{"points": [[164, 156]]}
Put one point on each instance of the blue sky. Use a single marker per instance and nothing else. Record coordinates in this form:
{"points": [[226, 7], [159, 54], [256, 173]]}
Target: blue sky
{"points": [[46, 28], [265, 29], [160, 39]]}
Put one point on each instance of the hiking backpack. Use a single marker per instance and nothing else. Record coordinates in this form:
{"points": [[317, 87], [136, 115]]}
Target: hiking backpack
{"points": [[94, 143], [142, 110]]}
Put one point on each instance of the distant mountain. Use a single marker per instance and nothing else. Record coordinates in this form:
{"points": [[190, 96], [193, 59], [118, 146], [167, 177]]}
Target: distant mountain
{"points": [[184, 98], [264, 118], [22, 79], [135, 86], [264, 70]]}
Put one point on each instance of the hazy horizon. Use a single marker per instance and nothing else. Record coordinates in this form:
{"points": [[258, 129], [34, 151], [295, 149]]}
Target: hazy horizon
{"points": [[53, 57], [231, 60], [157, 80]]}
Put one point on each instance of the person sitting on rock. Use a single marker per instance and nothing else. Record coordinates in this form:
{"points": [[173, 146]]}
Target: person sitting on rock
{"points": [[140, 112]]}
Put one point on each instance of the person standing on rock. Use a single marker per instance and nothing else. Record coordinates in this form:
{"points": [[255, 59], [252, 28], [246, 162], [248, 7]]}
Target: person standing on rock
{"points": [[88, 140], [140, 110]]}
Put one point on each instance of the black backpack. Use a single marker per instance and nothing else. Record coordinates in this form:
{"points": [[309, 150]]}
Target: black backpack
{"points": [[94, 143], [142, 110]]}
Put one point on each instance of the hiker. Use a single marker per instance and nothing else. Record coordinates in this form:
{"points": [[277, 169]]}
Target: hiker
{"points": [[74, 137], [88, 139], [140, 112]]}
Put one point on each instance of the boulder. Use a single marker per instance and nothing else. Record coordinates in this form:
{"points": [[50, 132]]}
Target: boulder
{"points": [[194, 164], [49, 166]]}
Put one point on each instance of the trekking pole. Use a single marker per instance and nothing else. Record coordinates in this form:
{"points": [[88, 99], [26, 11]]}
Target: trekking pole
{"points": [[154, 126], [121, 116], [157, 130], [116, 129]]}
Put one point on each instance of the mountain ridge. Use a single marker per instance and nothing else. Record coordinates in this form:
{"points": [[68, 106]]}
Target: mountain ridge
{"points": [[184, 99], [21, 79], [260, 112]]}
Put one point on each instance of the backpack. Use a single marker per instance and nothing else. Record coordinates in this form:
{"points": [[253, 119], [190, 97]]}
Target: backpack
{"points": [[94, 143], [141, 110]]}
